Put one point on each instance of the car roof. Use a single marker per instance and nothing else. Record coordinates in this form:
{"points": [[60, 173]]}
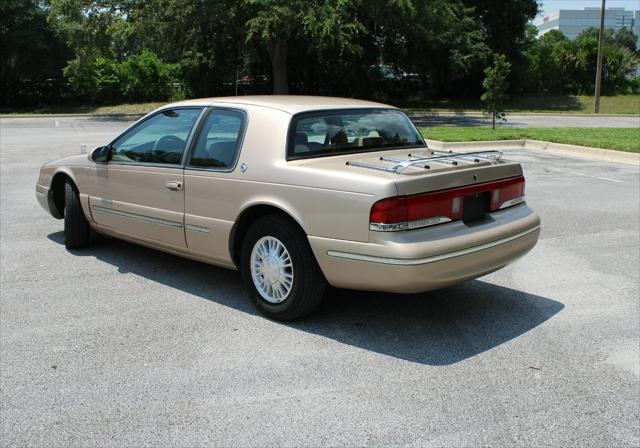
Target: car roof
{"points": [[292, 104]]}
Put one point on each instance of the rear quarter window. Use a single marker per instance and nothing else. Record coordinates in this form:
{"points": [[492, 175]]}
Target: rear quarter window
{"points": [[219, 138]]}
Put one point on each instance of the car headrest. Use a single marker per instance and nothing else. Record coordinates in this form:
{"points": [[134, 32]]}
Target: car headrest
{"points": [[301, 138], [223, 151]]}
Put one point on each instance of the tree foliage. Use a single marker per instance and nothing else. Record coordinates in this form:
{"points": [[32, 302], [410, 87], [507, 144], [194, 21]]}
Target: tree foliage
{"points": [[560, 65], [394, 50], [32, 55], [329, 25], [140, 77]]}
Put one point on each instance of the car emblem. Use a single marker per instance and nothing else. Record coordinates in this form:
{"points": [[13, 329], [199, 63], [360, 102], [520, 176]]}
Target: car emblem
{"points": [[244, 167]]}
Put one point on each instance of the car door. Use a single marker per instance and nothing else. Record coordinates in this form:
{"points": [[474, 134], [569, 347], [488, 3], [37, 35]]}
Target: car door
{"points": [[209, 182], [139, 192]]}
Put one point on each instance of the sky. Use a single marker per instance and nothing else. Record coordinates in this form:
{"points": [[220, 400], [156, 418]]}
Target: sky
{"points": [[553, 5]]}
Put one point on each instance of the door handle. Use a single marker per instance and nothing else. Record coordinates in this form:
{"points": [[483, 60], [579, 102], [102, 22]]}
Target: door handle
{"points": [[175, 185]]}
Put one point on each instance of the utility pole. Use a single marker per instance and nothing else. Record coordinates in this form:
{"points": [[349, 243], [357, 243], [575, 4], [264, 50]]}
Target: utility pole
{"points": [[596, 103]]}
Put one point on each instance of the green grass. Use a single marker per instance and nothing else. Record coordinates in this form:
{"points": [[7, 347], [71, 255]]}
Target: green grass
{"points": [[137, 108], [622, 139], [582, 104]]}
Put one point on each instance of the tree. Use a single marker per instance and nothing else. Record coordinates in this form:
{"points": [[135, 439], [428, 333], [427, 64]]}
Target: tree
{"points": [[206, 37], [330, 47], [618, 63], [32, 55], [625, 38], [548, 68], [274, 24], [559, 65], [439, 39], [495, 85], [504, 23]]}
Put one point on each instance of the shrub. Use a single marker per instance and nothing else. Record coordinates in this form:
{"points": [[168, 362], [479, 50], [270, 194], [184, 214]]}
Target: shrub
{"points": [[559, 65], [145, 77], [138, 78], [107, 80]]}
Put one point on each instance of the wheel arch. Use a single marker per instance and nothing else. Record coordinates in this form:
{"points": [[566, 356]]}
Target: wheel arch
{"points": [[250, 214], [56, 190], [58, 181]]}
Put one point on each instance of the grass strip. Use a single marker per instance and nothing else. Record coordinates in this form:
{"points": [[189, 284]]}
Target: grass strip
{"points": [[621, 139]]}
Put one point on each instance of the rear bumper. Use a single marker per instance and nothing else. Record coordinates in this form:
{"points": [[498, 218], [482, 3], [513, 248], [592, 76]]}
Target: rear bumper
{"points": [[431, 258]]}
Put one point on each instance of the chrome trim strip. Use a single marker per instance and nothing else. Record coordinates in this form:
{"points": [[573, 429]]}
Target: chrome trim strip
{"points": [[200, 229], [408, 225], [142, 164], [419, 261], [145, 218]]}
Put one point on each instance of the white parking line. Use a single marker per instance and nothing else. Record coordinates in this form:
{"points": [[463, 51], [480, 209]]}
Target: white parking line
{"points": [[611, 180], [573, 173]]}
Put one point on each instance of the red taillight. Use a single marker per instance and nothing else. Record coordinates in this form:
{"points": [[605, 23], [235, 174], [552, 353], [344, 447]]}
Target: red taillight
{"points": [[410, 212], [390, 210], [509, 192]]}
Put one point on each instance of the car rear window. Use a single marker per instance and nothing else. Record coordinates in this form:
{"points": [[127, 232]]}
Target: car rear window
{"points": [[345, 131]]}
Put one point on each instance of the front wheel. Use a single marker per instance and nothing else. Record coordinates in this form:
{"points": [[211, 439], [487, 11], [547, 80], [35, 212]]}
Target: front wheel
{"points": [[76, 226], [279, 269]]}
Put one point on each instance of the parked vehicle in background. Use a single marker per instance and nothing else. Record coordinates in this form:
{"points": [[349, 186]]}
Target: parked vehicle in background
{"points": [[297, 192]]}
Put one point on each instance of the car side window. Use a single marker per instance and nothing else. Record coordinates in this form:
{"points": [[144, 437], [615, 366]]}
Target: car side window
{"points": [[159, 139], [218, 140]]}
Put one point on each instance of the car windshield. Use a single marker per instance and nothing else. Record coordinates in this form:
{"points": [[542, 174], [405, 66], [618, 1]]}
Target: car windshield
{"points": [[336, 132]]}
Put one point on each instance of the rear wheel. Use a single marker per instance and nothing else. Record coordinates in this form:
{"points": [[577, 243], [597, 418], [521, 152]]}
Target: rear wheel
{"points": [[279, 269], [76, 226]]}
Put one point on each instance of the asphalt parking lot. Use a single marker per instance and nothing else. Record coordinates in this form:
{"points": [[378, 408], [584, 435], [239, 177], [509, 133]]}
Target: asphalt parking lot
{"points": [[118, 345]]}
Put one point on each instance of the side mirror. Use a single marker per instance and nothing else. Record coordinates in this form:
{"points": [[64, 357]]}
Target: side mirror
{"points": [[100, 154]]}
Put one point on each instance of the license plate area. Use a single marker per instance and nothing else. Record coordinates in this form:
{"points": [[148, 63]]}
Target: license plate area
{"points": [[475, 206]]}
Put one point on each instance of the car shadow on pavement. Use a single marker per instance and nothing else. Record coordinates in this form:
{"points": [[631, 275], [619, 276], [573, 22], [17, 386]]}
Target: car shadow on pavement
{"points": [[436, 328]]}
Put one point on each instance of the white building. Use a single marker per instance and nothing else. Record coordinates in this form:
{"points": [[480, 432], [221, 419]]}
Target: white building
{"points": [[572, 22]]}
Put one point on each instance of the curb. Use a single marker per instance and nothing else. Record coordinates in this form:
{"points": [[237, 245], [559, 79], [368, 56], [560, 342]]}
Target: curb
{"points": [[608, 155], [478, 144]]}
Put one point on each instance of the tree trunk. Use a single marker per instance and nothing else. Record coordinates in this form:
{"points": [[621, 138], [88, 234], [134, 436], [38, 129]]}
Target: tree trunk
{"points": [[493, 120], [277, 49]]}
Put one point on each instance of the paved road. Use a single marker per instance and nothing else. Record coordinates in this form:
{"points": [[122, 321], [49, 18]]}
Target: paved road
{"points": [[119, 345], [529, 120]]}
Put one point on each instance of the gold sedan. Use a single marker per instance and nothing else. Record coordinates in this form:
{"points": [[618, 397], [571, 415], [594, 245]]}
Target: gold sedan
{"points": [[297, 192]]}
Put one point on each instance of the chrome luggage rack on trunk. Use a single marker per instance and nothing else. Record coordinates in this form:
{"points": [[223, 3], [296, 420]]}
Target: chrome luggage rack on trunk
{"points": [[425, 159]]}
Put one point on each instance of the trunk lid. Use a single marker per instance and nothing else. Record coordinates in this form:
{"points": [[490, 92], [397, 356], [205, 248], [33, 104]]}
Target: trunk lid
{"points": [[426, 171], [421, 170]]}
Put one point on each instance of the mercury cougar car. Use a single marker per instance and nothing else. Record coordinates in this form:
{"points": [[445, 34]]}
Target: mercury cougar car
{"points": [[297, 193]]}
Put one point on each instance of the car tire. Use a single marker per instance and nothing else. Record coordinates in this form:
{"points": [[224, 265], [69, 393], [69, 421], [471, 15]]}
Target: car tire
{"points": [[76, 226], [265, 269]]}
